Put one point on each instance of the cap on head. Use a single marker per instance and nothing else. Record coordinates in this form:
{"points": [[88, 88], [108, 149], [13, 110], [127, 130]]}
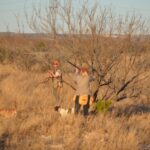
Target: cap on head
{"points": [[84, 67]]}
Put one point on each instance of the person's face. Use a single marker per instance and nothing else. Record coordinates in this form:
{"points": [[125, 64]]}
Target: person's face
{"points": [[56, 65], [84, 73]]}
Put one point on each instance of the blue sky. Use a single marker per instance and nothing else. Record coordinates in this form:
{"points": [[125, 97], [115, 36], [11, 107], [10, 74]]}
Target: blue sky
{"points": [[10, 8]]}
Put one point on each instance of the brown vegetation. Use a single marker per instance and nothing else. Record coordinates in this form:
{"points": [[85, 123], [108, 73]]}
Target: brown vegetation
{"points": [[37, 126], [121, 68]]}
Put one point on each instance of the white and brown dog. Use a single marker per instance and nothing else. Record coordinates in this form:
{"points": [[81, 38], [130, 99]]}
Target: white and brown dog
{"points": [[64, 112]]}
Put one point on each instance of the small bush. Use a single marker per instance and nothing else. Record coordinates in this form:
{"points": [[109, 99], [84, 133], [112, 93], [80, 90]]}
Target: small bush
{"points": [[6, 55], [41, 47], [102, 105]]}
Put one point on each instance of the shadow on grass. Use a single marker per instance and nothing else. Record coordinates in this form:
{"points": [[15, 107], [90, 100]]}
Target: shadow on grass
{"points": [[3, 140], [3, 76], [130, 110]]}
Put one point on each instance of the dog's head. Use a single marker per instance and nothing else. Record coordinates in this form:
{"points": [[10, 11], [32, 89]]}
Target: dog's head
{"points": [[71, 110], [56, 108]]}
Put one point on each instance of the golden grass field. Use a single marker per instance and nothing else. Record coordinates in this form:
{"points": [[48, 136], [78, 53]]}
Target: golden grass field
{"points": [[36, 126]]}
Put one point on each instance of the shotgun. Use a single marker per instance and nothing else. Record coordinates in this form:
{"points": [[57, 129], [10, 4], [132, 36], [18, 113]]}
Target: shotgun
{"points": [[73, 65], [62, 80]]}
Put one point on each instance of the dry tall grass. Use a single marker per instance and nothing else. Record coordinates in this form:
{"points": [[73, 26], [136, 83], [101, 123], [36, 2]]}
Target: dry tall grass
{"points": [[38, 126], [87, 36]]}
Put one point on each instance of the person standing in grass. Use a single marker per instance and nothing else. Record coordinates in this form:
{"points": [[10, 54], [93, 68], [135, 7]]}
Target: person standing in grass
{"points": [[56, 75], [83, 96]]}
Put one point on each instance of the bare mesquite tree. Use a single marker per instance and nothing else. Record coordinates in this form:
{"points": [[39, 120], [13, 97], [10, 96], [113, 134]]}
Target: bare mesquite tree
{"points": [[95, 35]]}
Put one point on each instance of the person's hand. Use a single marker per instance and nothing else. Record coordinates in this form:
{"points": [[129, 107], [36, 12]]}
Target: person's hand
{"points": [[50, 74], [77, 71]]}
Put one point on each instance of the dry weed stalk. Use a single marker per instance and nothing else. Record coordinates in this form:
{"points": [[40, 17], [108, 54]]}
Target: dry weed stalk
{"points": [[8, 113]]}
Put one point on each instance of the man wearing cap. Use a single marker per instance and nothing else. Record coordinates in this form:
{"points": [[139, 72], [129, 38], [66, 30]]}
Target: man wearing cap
{"points": [[82, 95]]}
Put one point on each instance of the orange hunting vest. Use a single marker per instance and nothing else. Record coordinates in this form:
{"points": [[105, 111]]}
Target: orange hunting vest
{"points": [[83, 99]]}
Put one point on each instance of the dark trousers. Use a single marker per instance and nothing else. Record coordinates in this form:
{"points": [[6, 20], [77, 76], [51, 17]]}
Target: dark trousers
{"points": [[85, 107]]}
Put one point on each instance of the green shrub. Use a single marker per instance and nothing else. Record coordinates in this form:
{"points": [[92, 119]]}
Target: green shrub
{"points": [[102, 105], [41, 47]]}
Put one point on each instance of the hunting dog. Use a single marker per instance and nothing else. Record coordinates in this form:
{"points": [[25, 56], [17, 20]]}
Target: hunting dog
{"points": [[64, 112]]}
